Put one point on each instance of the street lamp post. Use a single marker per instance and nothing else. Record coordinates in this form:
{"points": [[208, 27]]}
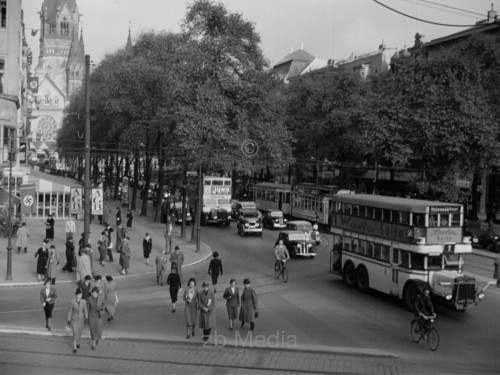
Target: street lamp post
{"points": [[12, 155], [87, 194], [199, 208]]}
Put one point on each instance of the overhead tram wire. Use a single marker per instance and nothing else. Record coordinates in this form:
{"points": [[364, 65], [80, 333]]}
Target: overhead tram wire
{"points": [[450, 7], [420, 19]]}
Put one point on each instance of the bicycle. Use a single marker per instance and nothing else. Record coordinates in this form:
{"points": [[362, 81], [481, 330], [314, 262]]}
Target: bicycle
{"points": [[281, 270], [429, 333]]}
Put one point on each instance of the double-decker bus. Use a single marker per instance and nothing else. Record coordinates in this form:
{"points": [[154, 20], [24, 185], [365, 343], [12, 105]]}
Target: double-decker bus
{"points": [[397, 246], [216, 200], [303, 201]]}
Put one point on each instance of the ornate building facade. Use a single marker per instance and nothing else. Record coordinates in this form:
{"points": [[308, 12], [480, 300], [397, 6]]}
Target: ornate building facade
{"points": [[60, 69]]}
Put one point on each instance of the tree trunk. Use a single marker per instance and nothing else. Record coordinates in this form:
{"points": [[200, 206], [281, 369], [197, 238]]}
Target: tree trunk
{"points": [[159, 195], [136, 179], [475, 197]]}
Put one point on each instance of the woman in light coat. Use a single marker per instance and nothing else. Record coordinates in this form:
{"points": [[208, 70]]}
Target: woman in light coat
{"points": [[110, 297], [78, 314], [22, 238], [83, 265], [52, 264], [190, 296], [95, 306], [206, 305], [161, 268]]}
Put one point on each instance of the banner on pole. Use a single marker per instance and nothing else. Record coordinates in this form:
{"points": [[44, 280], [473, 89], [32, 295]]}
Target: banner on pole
{"points": [[97, 202], [28, 194], [76, 200]]}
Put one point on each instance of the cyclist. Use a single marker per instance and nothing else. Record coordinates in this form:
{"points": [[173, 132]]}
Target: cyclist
{"points": [[424, 307], [281, 254]]}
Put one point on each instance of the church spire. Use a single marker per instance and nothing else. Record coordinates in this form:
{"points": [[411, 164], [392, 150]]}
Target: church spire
{"points": [[128, 46], [82, 46]]}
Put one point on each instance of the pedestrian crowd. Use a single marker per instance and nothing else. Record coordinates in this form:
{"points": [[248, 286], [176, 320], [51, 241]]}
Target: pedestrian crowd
{"points": [[95, 297]]}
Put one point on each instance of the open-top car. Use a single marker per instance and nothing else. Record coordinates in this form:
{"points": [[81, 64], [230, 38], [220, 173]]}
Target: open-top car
{"points": [[297, 243], [249, 222], [307, 227], [273, 219]]}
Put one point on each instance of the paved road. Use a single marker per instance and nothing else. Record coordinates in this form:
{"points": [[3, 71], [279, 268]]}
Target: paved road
{"points": [[313, 310], [51, 355]]}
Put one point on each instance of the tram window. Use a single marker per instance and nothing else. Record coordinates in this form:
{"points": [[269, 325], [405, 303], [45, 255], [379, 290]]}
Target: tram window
{"points": [[418, 220], [362, 211], [405, 259], [395, 256], [355, 210], [347, 244], [347, 208], [320, 208], [377, 251], [385, 255], [455, 220], [287, 198], [386, 215], [362, 247], [355, 247], [378, 214], [369, 250], [417, 261], [395, 218], [404, 218], [444, 220], [433, 220], [270, 196], [369, 212], [435, 262]]}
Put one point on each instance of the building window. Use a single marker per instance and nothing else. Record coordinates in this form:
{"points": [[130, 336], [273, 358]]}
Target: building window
{"points": [[2, 74], [3, 10], [52, 29], [64, 27]]}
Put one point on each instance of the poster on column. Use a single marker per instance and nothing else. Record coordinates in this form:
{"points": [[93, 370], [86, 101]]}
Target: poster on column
{"points": [[76, 200], [97, 201]]}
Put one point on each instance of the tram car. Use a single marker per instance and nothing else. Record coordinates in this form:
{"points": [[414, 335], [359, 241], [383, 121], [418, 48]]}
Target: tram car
{"points": [[304, 201]]}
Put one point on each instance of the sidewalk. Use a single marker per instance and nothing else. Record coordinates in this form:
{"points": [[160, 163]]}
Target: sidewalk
{"points": [[24, 265], [24, 353]]}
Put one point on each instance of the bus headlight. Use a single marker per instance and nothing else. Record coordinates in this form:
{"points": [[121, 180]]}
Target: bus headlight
{"points": [[247, 225], [448, 297], [480, 295]]}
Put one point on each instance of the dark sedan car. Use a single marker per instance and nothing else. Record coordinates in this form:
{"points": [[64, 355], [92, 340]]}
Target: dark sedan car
{"points": [[298, 243], [274, 219]]}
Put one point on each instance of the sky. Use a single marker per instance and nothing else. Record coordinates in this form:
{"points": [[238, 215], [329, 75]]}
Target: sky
{"points": [[324, 28]]}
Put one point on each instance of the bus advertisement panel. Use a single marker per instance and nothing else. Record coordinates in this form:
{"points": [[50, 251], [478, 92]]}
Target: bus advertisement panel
{"points": [[216, 200]]}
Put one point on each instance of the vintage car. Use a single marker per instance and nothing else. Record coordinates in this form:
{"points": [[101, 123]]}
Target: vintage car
{"points": [[273, 219], [238, 206], [298, 243], [177, 215], [249, 222], [306, 227]]}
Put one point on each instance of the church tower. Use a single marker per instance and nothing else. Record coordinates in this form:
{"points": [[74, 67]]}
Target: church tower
{"points": [[60, 69]]}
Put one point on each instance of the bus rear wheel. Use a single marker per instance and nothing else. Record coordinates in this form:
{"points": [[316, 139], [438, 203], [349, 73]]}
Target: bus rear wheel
{"points": [[362, 279], [349, 275]]}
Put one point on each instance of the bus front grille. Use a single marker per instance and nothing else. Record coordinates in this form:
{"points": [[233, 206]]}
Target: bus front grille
{"points": [[222, 214], [465, 291]]}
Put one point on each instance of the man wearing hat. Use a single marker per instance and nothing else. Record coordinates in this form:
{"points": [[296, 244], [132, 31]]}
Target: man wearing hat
{"points": [[249, 305], [206, 305]]}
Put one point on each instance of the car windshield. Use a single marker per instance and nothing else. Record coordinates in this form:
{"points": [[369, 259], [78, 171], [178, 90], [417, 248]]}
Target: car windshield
{"points": [[276, 214], [247, 205], [250, 215], [297, 237], [301, 226]]}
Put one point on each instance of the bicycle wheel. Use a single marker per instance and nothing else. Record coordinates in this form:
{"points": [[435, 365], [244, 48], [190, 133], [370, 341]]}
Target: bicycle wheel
{"points": [[433, 339], [284, 273], [277, 270], [415, 331]]}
